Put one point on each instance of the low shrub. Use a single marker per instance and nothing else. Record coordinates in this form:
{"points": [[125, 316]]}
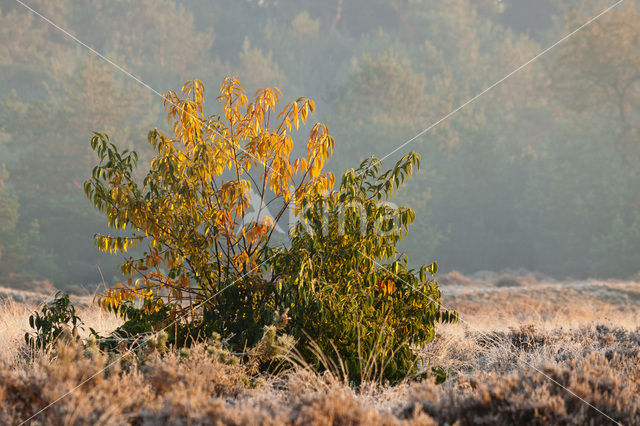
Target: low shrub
{"points": [[508, 281], [21, 282], [350, 297], [55, 320], [457, 278]]}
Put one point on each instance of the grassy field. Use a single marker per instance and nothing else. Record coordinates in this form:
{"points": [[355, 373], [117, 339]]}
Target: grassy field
{"points": [[527, 351]]}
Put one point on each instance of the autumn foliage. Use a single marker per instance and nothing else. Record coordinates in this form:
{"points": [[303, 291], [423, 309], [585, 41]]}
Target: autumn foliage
{"points": [[190, 210], [210, 268]]}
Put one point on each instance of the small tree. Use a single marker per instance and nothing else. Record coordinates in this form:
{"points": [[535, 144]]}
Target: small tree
{"points": [[340, 284], [203, 260]]}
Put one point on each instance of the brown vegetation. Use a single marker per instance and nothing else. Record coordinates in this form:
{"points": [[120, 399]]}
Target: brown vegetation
{"points": [[584, 335], [17, 281]]}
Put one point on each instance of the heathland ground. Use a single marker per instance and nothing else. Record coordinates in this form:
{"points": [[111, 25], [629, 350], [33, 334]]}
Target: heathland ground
{"points": [[527, 350]]}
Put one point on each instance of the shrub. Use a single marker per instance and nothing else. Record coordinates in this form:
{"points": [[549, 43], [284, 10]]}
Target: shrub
{"points": [[344, 286], [508, 281], [457, 278], [22, 282], [209, 270], [55, 319]]}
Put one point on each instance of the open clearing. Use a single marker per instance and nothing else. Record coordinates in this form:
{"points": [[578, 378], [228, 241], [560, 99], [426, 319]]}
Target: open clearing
{"points": [[517, 336]]}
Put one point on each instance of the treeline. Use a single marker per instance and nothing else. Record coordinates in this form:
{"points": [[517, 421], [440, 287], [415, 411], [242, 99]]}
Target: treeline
{"points": [[540, 173]]}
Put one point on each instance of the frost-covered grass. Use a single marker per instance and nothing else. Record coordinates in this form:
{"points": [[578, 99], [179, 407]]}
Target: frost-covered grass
{"points": [[584, 335]]}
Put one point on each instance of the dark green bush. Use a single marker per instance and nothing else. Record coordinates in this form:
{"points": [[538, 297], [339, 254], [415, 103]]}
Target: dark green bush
{"points": [[54, 320], [508, 281], [347, 291]]}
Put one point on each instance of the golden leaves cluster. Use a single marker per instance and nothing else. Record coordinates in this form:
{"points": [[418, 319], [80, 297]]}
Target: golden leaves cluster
{"points": [[192, 208]]}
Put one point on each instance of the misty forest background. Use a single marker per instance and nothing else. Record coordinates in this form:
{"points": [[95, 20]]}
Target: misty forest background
{"points": [[541, 173]]}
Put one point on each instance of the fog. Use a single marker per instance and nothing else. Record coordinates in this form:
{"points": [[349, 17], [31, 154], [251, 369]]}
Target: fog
{"points": [[539, 172]]}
